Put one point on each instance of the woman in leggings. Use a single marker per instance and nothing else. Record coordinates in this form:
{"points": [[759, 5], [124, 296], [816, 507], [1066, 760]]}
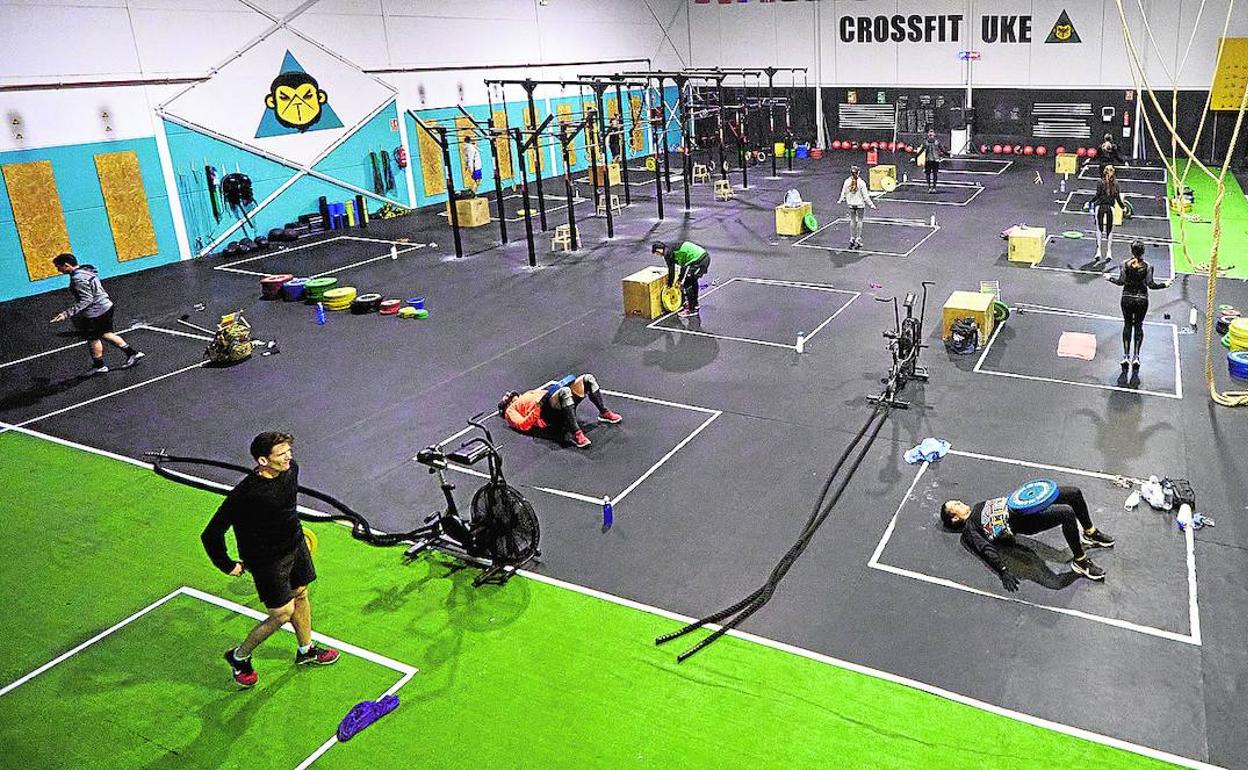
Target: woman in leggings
{"points": [[1107, 196], [1135, 276]]}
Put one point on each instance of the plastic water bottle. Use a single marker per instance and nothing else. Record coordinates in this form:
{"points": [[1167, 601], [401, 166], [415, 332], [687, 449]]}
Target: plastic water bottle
{"points": [[905, 178], [607, 518], [320, 313], [801, 343], [394, 252], [933, 220], [1191, 319], [1062, 184]]}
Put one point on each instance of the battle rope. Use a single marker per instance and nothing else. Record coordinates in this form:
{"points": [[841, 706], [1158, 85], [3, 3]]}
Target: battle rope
{"points": [[360, 528], [732, 616]]}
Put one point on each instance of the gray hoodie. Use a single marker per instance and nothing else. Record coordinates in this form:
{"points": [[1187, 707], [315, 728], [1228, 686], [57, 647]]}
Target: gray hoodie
{"points": [[90, 299]]}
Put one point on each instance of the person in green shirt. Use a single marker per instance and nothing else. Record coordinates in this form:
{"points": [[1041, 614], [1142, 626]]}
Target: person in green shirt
{"points": [[693, 261]]}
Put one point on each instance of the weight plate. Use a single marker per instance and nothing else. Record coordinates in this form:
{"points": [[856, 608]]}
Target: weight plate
{"points": [[1073, 234], [421, 313], [888, 183], [810, 223], [407, 312], [310, 537], [1033, 497], [671, 298]]}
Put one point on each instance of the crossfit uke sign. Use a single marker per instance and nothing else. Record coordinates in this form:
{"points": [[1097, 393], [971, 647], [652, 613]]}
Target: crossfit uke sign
{"points": [[948, 28]]}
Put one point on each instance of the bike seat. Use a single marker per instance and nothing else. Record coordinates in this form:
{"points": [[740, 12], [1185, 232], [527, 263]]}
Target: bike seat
{"points": [[433, 457], [470, 452]]}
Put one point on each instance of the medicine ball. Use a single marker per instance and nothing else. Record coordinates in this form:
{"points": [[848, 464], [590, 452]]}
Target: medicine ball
{"points": [[1028, 150], [1042, 151], [1091, 152], [996, 149], [1082, 152]]}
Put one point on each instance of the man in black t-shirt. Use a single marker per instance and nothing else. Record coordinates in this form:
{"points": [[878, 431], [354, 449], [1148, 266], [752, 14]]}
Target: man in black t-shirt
{"points": [[271, 546], [992, 523]]}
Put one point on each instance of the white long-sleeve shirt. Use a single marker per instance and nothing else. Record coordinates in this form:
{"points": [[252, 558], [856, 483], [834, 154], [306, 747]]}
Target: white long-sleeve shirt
{"points": [[858, 198]]}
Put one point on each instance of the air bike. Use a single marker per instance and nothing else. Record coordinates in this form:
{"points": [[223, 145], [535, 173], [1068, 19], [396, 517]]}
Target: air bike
{"points": [[499, 533], [905, 342]]}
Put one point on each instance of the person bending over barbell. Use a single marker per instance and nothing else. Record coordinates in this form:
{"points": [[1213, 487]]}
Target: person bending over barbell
{"points": [[553, 407], [991, 523]]}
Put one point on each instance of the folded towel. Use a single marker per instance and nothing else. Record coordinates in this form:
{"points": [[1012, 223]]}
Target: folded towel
{"points": [[1077, 345], [928, 450]]}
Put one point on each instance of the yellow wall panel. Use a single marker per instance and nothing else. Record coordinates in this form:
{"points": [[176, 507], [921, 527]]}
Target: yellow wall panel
{"points": [[1231, 77], [125, 200], [37, 214], [432, 173], [503, 145]]}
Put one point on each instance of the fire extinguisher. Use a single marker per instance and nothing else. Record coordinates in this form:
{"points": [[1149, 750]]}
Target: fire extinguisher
{"points": [[400, 156]]}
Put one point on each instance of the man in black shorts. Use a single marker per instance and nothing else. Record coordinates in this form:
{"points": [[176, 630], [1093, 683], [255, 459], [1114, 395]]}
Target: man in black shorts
{"points": [[271, 546], [991, 523], [92, 312]]}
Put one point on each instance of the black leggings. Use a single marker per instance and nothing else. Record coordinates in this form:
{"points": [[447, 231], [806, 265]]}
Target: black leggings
{"points": [[690, 287], [1105, 219], [932, 170], [1069, 511], [559, 407], [1134, 308]]}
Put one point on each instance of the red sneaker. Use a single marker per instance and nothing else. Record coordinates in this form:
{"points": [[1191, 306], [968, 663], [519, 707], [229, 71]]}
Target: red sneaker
{"points": [[580, 439], [609, 416], [244, 675], [321, 656]]}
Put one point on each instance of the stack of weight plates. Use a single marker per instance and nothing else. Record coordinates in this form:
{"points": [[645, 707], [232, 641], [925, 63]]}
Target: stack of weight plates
{"points": [[1237, 334], [1225, 314], [365, 304], [271, 285], [389, 306], [314, 289], [292, 290], [339, 298], [1237, 363]]}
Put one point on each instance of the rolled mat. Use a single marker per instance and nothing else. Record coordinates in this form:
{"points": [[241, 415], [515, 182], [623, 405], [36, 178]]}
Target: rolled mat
{"points": [[271, 285], [366, 303], [292, 290], [1237, 363], [389, 306]]}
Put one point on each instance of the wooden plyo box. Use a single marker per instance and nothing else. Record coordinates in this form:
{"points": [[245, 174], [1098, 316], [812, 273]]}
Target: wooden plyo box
{"points": [[876, 176], [472, 212], [642, 290], [789, 218], [612, 172], [1066, 163], [977, 305], [1027, 244]]}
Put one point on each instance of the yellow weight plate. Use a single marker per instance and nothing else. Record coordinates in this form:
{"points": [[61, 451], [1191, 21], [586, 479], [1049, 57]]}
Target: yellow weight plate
{"points": [[888, 183], [310, 537], [671, 298]]}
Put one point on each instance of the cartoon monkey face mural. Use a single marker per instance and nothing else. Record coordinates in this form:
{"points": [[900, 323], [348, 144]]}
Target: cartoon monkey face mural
{"points": [[296, 99]]}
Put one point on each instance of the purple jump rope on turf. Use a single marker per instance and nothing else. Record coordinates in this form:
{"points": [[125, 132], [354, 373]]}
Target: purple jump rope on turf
{"points": [[364, 714]]}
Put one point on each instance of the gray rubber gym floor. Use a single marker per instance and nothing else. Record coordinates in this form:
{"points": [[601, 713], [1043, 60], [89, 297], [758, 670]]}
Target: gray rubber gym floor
{"points": [[728, 433]]}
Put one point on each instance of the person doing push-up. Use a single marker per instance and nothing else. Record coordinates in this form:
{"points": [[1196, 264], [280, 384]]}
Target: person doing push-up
{"points": [[991, 523], [553, 407]]}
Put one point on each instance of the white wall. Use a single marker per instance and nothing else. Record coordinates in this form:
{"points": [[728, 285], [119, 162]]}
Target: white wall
{"points": [[797, 33], [52, 41]]}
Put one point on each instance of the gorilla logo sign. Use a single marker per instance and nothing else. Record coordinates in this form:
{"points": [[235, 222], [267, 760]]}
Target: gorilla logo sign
{"points": [[295, 103]]}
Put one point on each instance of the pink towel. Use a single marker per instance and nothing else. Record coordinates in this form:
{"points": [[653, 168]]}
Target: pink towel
{"points": [[1077, 345]]}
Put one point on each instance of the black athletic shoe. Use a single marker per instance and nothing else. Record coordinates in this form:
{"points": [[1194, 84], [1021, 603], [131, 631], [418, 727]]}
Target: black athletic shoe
{"points": [[132, 359], [244, 674], [1097, 539], [1088, 569], [321, 656]]}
